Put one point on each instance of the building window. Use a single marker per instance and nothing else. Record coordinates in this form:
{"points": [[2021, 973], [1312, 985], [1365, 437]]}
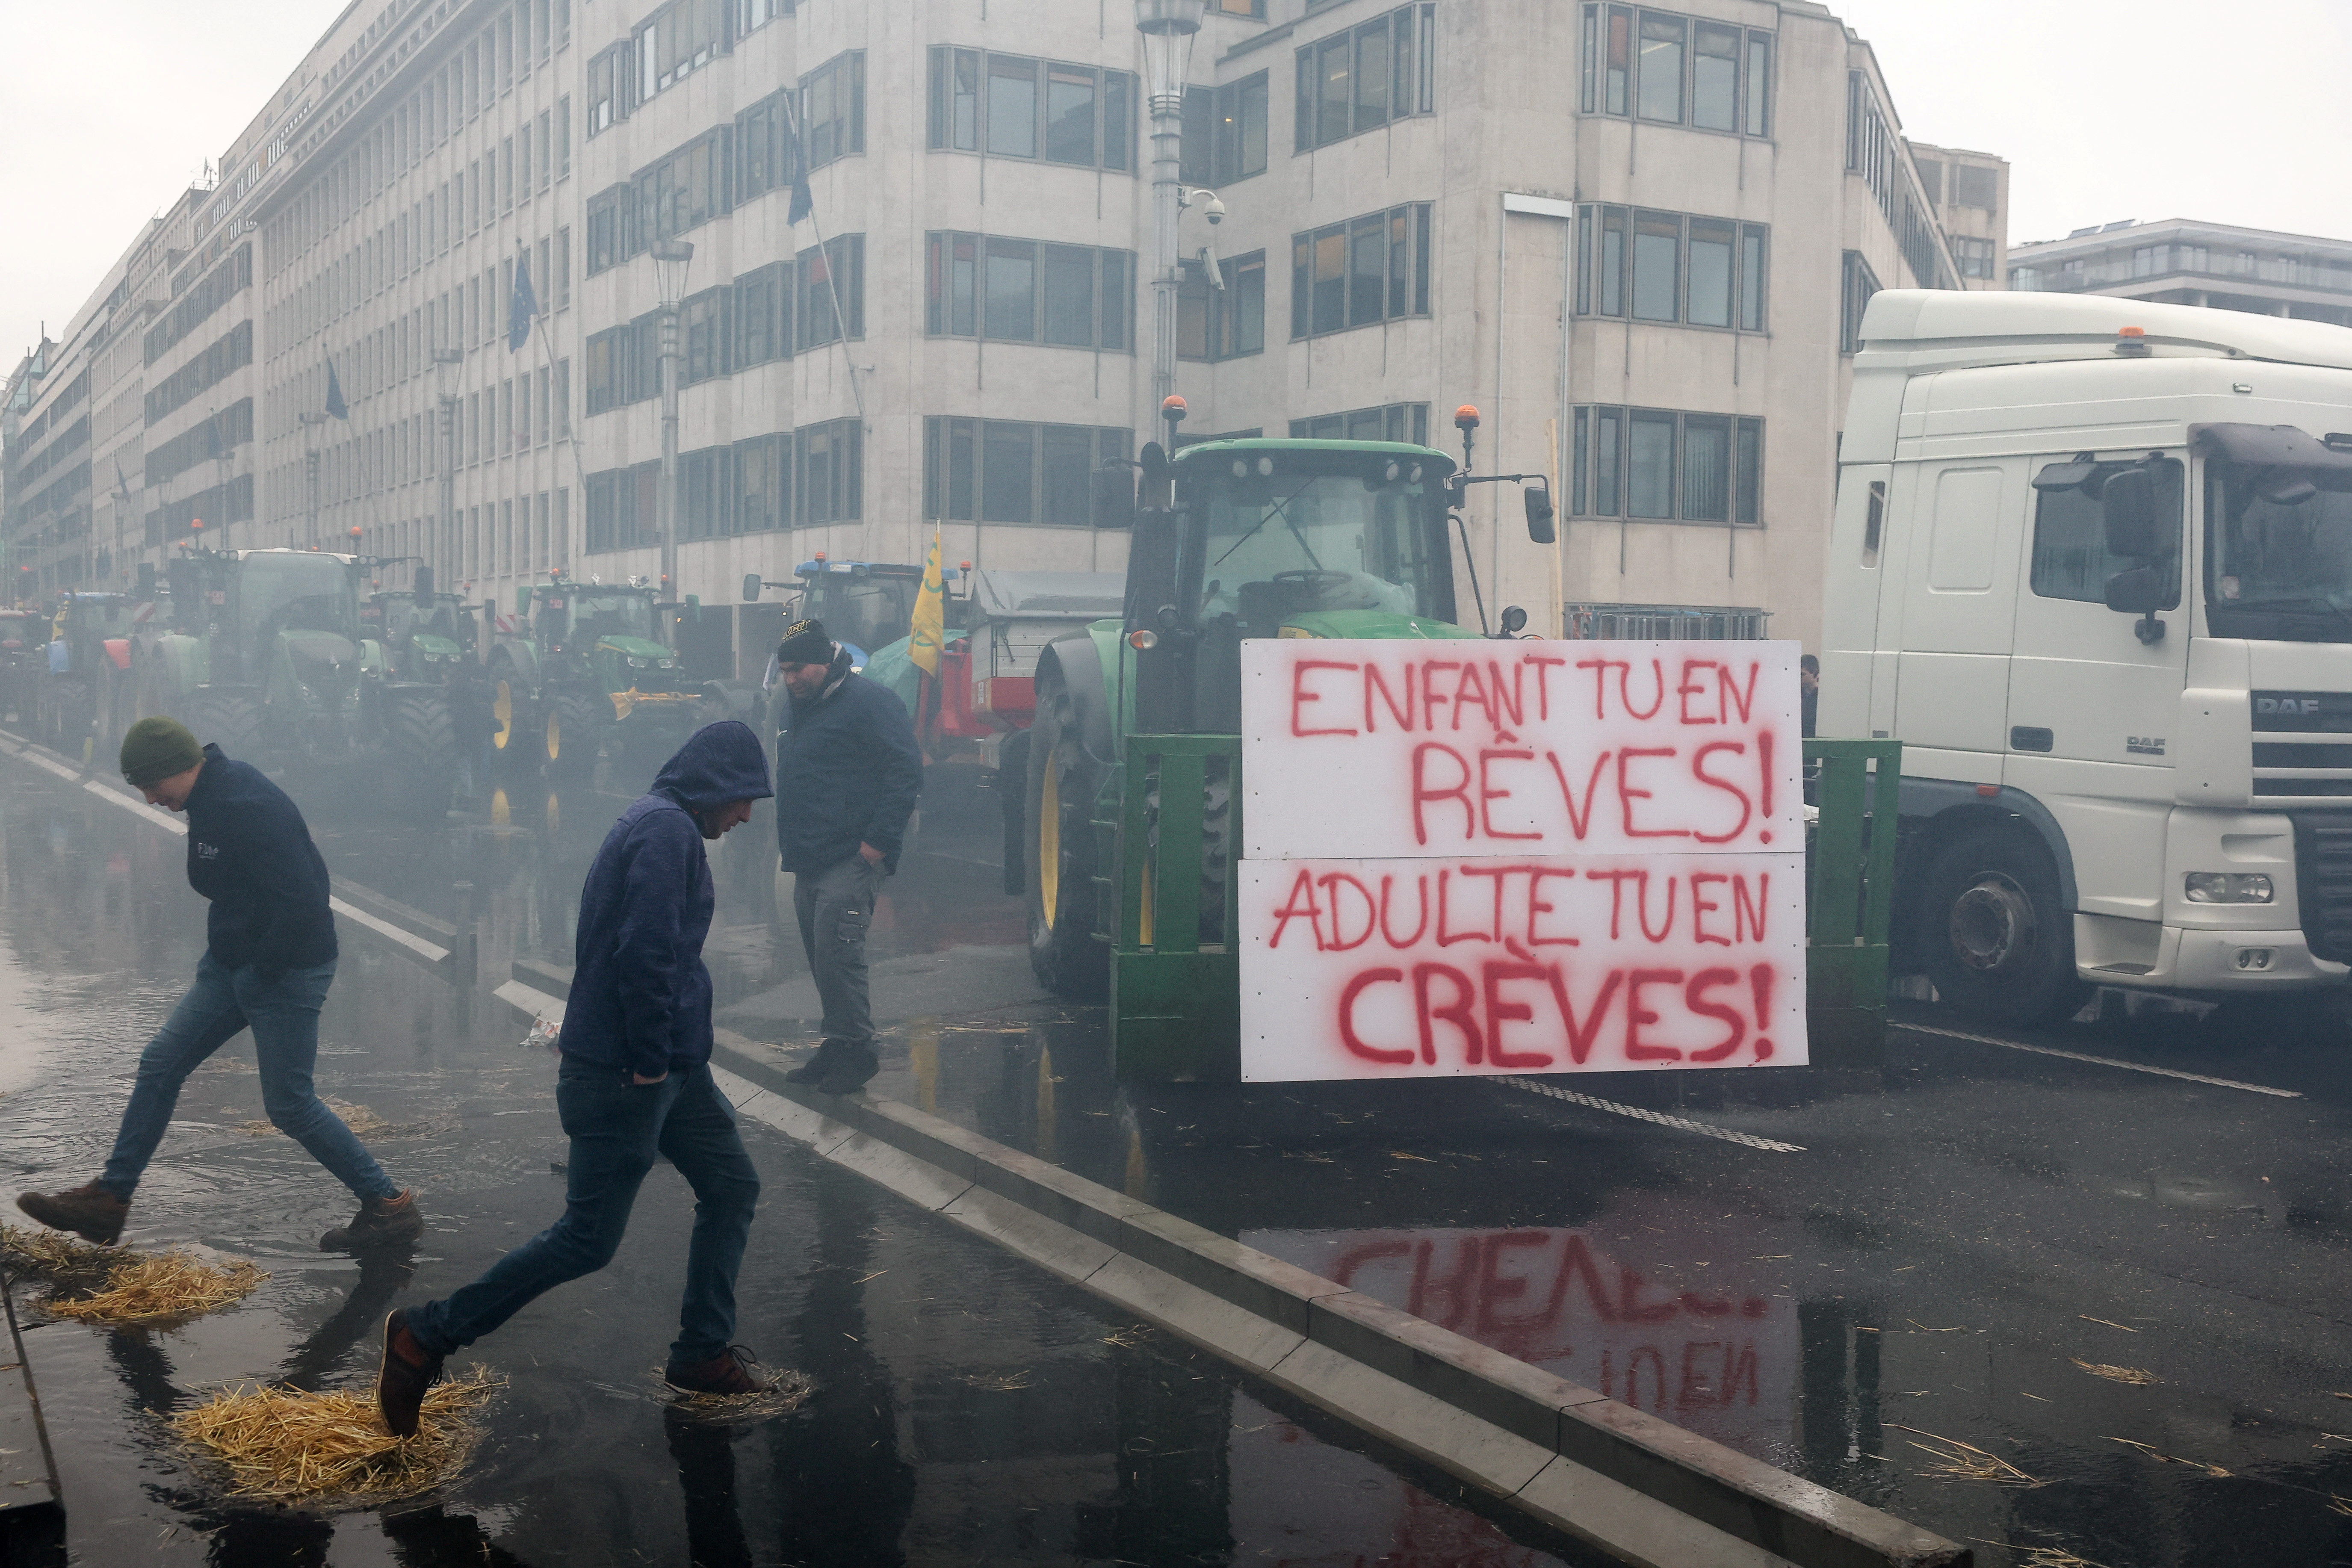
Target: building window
{"points": [[1023, 290], [606, 72], [1677, 70], [1253, 8], [1659, 466], [828, 462], [1011, 106], [990, 470], [833, 110], [707, 329], [1702, 271], [754, 13], [1872, 151], [679, 194], [681, 37], [1214, 323], [1976, 258], [1860, 284], [831, 297], [763, 315], [1225, 131], [1975, 186], [1392, 422], [1361, 78], [1368, 269]]}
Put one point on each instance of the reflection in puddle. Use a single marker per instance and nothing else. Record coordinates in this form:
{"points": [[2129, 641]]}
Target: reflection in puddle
{"points": [[1719, 1360]]}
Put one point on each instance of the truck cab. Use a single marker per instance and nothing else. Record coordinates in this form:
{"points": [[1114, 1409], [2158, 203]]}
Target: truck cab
{"points": [[2092, 564]]}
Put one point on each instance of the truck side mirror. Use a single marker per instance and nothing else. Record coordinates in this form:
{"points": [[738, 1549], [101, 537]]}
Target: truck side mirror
{"points": [[2141, 592], [2127, 506], [752, 587], [1539, 515], [422, 587], [1112, 498]]}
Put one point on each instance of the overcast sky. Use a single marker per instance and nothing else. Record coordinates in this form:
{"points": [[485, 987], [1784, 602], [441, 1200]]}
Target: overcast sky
{"points": [[2105, 109]]}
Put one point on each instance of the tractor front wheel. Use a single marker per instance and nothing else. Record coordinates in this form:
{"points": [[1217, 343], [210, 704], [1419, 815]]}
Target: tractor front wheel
{"points": [[1060, 847], [575, 738], [521, 742], [424, 754]]}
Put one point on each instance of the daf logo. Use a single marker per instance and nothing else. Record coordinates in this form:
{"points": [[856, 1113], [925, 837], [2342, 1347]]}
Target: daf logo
{"points": [[2290, 705]]}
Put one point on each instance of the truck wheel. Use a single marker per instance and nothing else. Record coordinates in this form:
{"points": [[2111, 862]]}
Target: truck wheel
{"points": [[574, 737], [1012, 805], [229, 720], [1060, 859], [424, 754], [2000, 948]]}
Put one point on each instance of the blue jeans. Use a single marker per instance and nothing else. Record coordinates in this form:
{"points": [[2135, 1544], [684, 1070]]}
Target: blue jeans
{"points": [[284, 1016], [618, 1130]]}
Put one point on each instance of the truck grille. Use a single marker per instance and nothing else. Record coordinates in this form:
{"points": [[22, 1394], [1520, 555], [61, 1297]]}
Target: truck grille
{"points": [[2302, 745], [2322, 874]]}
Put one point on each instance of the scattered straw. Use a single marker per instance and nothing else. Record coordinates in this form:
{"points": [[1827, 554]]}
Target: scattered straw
{"points": [[2130, 1374], [2155, 1453], [2104, 1323], [997, 1382], [2339, 1504], [159, 1288], [2040, 1556], [279, 1444], [363, 1122], [1966, 1462], [787, 1392], [55, 1254]]}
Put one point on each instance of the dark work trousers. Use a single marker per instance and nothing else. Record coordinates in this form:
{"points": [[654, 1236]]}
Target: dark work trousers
{"points": [[618, 1129], [836, 906]]}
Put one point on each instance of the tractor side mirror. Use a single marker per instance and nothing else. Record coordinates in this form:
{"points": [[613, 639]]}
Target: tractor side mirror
{"points": [[422, 585], [1539, 516], [2128, 507], [1113, 496], [752, 587], [1515, 619]]}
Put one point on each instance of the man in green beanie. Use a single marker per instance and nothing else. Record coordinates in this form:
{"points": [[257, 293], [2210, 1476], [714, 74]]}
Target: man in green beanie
{"points": [[269, 961]]}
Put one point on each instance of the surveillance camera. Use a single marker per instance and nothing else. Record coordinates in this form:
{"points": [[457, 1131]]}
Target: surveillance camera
{"points": [[1214, 211]]}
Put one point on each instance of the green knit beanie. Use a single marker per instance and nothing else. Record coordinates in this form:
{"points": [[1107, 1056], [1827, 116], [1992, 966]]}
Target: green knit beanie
{"points": [[155, 748]]}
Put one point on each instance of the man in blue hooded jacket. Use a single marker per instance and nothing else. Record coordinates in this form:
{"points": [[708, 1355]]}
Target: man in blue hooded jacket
{"points": [[635, 1086]]}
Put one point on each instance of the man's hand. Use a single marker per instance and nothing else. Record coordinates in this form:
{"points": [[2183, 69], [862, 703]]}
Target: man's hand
{"points": [[640, 1079], [873, 857]]}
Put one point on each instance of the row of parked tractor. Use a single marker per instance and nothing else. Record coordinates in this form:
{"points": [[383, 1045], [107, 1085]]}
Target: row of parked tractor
{"points": [[299, 661]]}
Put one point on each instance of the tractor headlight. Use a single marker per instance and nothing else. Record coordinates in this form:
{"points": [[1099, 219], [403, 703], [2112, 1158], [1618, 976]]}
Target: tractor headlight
{"points": [[638, 663], [2228, 887]]}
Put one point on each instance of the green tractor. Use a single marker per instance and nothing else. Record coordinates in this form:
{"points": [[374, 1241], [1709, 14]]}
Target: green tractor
{"points": [[581, 670], [265, 653], [1135, 760], [424, 634], [74, 695]]}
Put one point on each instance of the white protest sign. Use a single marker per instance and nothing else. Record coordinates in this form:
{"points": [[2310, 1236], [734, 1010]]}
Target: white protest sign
{"points": [[1518, 747], [1423, 968], [1478, 856]]}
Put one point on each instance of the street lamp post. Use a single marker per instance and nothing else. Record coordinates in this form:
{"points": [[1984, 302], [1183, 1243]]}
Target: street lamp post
{"points": [[312, 424], [1169, 27], [671, 258], [445, 370]]}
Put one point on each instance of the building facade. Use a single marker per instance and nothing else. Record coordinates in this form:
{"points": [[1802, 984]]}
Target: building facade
{"points": [[2187, 262], [919, 292], [1969, 192]]}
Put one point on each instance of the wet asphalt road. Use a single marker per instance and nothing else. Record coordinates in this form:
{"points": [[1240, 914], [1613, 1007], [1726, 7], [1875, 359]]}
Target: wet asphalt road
{"points": [[967, 1408], [1945, 1249]]}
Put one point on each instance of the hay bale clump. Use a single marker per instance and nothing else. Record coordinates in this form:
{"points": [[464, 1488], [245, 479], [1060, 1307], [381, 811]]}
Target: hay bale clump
{"points": [[364, 1123], [788, 1392], [281, 1444], [159, 1289], [55, 1254]]}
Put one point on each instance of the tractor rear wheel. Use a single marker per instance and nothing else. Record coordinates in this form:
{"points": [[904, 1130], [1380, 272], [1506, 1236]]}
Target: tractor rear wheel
{"points": [[1060, 850], [424, 754], [229, 720], [575, 738], [521, 742]]}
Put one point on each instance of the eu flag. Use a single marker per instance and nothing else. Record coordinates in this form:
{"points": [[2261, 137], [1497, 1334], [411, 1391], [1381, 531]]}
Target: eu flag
{"points": [[522, 308]]}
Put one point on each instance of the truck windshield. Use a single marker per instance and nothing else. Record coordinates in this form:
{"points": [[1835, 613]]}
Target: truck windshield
{"points": [[2278, 555], [1326, 542], [597, 615], [289, 592]]}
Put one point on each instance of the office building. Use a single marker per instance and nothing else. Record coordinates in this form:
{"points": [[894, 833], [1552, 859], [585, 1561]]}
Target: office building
{"points": [[2186, 262]]}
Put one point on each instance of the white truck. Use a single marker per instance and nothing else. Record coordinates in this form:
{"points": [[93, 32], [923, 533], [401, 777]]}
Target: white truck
{"points": [[2092, 564]]}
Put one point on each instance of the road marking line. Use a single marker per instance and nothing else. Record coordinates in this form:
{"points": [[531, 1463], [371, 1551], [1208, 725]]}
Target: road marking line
{"points": [[1680, 1124], [2104, 1061]]}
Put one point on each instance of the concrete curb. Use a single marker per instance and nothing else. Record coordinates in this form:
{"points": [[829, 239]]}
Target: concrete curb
{"points": [[31, 1507], [1638, 1488]]}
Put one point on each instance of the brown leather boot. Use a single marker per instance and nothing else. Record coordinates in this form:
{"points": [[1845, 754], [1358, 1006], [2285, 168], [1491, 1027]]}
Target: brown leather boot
{"points": [[729, 1372], [381, 1223], [90, 1211]]}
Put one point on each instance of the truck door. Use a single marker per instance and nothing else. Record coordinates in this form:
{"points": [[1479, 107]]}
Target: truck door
{"points": [[2092, 706], [1959, 576]]}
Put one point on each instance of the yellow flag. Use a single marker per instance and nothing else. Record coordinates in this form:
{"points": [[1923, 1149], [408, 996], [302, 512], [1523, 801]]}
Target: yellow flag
{"points": [[928, 631]]}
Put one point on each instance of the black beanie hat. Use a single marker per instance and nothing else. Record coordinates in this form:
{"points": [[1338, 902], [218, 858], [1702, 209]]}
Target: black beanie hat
{"points": [[805, 642]]}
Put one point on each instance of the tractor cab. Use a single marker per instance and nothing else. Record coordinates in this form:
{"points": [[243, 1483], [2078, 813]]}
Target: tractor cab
{"points": [[424, 632], [865, 605]]}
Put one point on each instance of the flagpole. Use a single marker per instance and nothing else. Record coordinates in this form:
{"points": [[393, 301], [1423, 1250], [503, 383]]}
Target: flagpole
{"points": [[831, 280], [569, 436]]}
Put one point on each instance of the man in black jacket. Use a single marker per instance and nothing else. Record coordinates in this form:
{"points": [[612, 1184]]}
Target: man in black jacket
{"points": [[269, 961], [847, 775]]}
